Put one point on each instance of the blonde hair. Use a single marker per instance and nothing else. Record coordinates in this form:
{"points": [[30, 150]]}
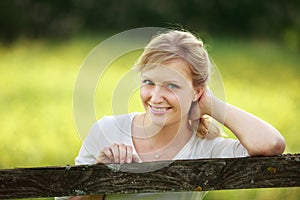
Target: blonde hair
{"points": [[183, 45]]}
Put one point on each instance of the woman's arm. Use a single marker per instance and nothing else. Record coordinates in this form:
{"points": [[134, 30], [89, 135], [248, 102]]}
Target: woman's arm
{"points": [[256, 135]]}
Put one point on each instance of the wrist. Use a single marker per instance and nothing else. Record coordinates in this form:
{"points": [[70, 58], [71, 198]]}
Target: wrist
{"points": [[218, 109]]}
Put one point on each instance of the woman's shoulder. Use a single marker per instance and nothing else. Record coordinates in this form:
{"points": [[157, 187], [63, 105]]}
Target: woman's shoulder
{"points": [[113, 126]]}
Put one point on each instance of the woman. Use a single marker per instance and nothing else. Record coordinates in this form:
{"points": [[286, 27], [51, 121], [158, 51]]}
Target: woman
{"points": [[178, 122]]}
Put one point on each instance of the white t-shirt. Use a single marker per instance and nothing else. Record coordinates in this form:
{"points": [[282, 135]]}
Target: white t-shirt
{"points": [[117, 129]]}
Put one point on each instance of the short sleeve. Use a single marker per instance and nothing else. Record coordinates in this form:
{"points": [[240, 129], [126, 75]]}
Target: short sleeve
{"points": [[91, 146], [228, 148], [108, 130]]}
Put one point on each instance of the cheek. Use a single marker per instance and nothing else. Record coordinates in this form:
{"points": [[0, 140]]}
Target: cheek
{"points": [[185, 100], [144, 94], [179, 100]]}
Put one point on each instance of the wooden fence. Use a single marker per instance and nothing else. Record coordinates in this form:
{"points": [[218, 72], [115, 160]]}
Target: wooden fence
{"points": [[181, 175]]}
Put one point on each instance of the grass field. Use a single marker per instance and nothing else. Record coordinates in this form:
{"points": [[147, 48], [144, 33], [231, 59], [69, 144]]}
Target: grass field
{"points": [[36, 87]]}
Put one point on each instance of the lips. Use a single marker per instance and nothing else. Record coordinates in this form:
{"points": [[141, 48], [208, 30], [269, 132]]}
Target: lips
{"points": [[159, 110]]}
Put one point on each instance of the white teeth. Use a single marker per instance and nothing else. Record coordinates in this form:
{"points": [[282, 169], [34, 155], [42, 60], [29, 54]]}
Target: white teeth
{"points": [[159, 109]]}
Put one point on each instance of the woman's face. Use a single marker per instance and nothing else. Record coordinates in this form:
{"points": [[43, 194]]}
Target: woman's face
{"points": [[167, 92]]}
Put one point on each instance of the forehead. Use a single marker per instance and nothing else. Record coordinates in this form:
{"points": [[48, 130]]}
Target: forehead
{"points": [[173, 69]]}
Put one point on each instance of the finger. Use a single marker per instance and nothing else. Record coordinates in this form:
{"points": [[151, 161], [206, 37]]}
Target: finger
{"points": [[122, 153], [136, 159], [129, 154], [108, 153], [105, 156], [115, 150]]}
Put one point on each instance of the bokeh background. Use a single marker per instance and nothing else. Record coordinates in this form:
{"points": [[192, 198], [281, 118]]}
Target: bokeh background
{"points": [[255, 44]]}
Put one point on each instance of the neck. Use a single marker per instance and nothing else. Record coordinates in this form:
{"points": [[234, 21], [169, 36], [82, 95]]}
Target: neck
{"points": [[160, 136], [154, 142]]}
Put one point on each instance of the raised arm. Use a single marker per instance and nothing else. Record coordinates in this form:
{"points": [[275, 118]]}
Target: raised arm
{"points": [[256, 135]]}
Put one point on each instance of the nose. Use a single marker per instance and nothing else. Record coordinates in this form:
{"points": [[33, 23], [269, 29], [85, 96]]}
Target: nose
{"points": [[156, 94]]}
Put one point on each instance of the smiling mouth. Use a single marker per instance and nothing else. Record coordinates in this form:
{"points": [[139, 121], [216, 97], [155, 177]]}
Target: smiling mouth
{"points": [[159, 110]]}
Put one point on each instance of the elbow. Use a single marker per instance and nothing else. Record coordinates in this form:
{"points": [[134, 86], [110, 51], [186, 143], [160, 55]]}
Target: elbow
{"points": [[279, 146], [270, 148]]}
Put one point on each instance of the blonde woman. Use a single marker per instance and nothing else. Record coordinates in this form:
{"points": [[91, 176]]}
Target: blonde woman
{"points": [[179, 118]]}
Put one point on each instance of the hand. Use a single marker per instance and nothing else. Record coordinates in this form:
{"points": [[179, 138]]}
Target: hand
{"points": [[202, 106], [205, 102], [117, 153]]}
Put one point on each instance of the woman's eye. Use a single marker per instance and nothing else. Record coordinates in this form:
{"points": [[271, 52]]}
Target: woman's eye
{"points": [[148, 82], [172, 86]]}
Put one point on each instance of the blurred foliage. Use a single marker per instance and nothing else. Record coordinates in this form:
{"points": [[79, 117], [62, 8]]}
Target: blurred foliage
{"points": [[279, 19]]}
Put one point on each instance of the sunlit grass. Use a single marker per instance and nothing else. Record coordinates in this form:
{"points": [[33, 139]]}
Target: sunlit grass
{"points": [[36, 102], [36, 87]]}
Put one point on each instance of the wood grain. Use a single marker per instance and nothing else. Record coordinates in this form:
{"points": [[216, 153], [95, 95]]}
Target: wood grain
{"points": [[180, 175]]}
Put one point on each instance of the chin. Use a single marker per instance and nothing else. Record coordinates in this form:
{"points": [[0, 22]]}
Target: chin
{"points": [[158, 120]]}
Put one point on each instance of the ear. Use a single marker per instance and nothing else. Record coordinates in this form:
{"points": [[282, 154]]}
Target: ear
{"points": [[198, 91]]}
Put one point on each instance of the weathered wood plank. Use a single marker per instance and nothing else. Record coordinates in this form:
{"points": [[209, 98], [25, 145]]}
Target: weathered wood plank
{"points": [[185, 175]]}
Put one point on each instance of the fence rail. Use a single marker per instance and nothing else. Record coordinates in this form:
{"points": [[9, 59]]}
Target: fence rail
{"points": [[161, 176]]}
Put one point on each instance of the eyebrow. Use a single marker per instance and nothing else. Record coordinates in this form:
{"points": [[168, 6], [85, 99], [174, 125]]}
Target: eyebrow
{"points": [[165, 81]]}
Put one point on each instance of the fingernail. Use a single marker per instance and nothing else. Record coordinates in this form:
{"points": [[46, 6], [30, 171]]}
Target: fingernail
{"points": [[122, 161], [129, 160]]}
